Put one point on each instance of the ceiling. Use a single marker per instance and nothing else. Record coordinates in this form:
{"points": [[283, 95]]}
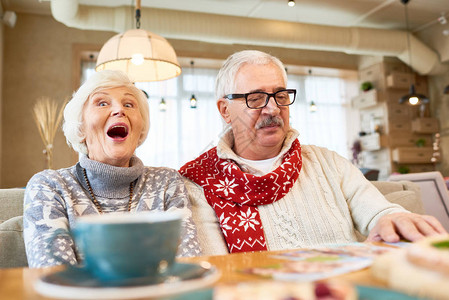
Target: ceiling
{"points": [[384, 14], [354, 27]]}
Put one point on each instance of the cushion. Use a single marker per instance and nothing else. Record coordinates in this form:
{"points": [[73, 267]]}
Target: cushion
{"points": [[405, 193], [11, 203], [408, 200], [12, 247]]}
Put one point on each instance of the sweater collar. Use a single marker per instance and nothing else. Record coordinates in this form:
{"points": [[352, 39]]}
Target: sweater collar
{"points": [[108, 181]]}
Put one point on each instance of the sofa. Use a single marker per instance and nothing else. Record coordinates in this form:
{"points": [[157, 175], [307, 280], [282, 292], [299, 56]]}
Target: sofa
{"points": [[12, 248]]}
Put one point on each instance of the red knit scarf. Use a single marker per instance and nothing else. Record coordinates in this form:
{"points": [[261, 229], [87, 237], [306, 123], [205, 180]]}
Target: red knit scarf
{"points": [[235, 195]]}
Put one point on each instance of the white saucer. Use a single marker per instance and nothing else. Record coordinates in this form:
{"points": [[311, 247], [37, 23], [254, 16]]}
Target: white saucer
{"points": [[77, 283]]}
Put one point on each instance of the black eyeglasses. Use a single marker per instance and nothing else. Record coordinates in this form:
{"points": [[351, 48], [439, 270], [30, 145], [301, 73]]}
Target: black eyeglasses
{"points": [[258, 100]]}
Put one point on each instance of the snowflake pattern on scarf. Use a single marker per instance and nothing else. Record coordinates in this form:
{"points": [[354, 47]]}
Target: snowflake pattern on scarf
{"points": [[235, 195]]}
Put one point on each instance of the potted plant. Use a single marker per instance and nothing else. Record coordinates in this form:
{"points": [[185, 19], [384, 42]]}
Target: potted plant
{"points": [[366, 86], [420, 142]]}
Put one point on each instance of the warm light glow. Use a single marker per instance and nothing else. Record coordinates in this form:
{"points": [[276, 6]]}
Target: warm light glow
{"points": [[162, 105], [313, 107], [291, 3], [137, 59], [193, 102], [413, 100]]}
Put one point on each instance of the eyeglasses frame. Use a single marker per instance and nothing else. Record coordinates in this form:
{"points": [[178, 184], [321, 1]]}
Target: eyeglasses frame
{"points": [[269, 95]]}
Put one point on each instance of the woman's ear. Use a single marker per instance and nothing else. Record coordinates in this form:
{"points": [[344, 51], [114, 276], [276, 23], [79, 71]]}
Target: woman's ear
{"points": [[223, 108]]}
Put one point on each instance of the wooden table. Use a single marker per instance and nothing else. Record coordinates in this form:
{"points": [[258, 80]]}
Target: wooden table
{"points": [[17, 284]]}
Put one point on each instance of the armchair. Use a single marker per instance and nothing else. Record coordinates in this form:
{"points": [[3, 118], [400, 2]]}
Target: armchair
{"points": [[434, 193]]}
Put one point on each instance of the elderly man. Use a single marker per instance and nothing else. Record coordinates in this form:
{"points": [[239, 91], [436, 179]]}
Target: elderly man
{"points": [[259, 189]]}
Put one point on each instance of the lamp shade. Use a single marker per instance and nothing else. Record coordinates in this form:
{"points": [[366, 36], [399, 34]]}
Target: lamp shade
{"points": [[141, 54], [413, 97]]}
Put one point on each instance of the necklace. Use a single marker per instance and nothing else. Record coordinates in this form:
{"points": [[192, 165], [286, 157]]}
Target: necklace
{"points": [[94, 199]]}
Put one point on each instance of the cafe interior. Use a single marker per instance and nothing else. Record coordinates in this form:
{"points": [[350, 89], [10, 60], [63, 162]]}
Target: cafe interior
{"points": [[47, 46], [356, 65]]}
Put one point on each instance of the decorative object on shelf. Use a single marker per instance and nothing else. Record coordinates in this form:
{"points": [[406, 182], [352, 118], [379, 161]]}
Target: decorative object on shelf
{"points": [[436, 148], [193, 101], [162, 105], [376, 124], [366, 86], [47, 117], [143, 55], [403, 169], [412, 97], [356, 150], [291, 3], [420, 142]]}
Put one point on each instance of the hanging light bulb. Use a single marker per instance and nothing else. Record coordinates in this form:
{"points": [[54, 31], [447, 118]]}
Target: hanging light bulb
{"points": [[137, 59], [193, 101], [291, 3], [162, 105], [313, 107], [412, 97]]}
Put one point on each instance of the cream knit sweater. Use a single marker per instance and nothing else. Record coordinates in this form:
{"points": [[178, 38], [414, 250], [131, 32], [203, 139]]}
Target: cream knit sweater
{"points": [[329, 201]]}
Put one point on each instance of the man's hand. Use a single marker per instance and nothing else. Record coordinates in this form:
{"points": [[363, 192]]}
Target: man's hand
{"points": [[409, 226]]}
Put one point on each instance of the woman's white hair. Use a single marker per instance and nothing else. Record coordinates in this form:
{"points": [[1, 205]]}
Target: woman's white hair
{"points": [[73, 111], [225, 81]]}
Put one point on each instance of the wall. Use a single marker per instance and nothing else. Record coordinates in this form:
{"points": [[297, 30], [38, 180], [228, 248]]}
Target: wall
{"points": [[37, 62]]}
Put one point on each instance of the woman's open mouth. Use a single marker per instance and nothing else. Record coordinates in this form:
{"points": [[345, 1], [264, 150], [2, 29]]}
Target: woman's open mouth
{"points": [[118, 131]]}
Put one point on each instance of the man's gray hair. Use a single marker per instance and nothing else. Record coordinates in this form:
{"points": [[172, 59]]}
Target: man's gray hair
{"points": [[225, 81], [73, 112]]}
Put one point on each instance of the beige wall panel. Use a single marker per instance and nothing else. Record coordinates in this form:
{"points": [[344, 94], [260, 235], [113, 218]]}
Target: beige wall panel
{"points": [[37, 62]]}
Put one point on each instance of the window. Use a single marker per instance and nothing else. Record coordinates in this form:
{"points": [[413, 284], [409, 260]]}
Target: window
{"points": [[180, 133]]}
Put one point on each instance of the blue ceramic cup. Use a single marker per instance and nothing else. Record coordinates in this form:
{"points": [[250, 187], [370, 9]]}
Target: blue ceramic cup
{"points": [[120, 247]]}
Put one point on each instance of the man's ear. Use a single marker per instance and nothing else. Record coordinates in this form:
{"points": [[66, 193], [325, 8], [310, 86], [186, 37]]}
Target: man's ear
{"points": [[223, 108]]}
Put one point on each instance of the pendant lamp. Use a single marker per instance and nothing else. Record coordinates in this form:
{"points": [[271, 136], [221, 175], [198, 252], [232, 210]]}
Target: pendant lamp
{"points": [[143, 55], [162, 105], [312, 107], [193, 100], [412, 97]]}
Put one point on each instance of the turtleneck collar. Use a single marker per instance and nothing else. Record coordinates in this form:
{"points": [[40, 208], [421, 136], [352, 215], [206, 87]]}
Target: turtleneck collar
{"points": [[108, 181]]}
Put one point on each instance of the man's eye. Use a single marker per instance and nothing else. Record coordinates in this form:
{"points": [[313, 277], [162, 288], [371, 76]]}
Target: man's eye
{"points": [[282, 95], [256, 97]]}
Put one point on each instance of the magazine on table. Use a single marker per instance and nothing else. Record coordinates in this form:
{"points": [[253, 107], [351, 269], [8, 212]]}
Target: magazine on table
{"points": [[322, 262]]}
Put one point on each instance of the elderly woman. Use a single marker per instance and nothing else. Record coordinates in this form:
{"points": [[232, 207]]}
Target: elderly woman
{"points": [[105, 121]]}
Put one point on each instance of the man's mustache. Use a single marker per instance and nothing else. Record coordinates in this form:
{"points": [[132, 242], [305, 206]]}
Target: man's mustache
{"points": [[269, 121]]}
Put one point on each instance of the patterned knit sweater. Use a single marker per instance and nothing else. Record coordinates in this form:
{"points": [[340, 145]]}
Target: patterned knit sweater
{"points": [[55, 198], [330, 200]]}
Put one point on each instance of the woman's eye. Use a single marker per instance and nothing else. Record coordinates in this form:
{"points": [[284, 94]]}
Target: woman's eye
{"points": [[102, 103], [129, 105]]}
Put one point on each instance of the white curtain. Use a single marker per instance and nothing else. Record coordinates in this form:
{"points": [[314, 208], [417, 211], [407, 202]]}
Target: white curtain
{"points": [[330, 125], [181, 133]]}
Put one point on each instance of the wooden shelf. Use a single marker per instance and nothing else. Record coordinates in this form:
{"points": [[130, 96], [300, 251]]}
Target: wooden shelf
{"points": [[413, 155]]}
